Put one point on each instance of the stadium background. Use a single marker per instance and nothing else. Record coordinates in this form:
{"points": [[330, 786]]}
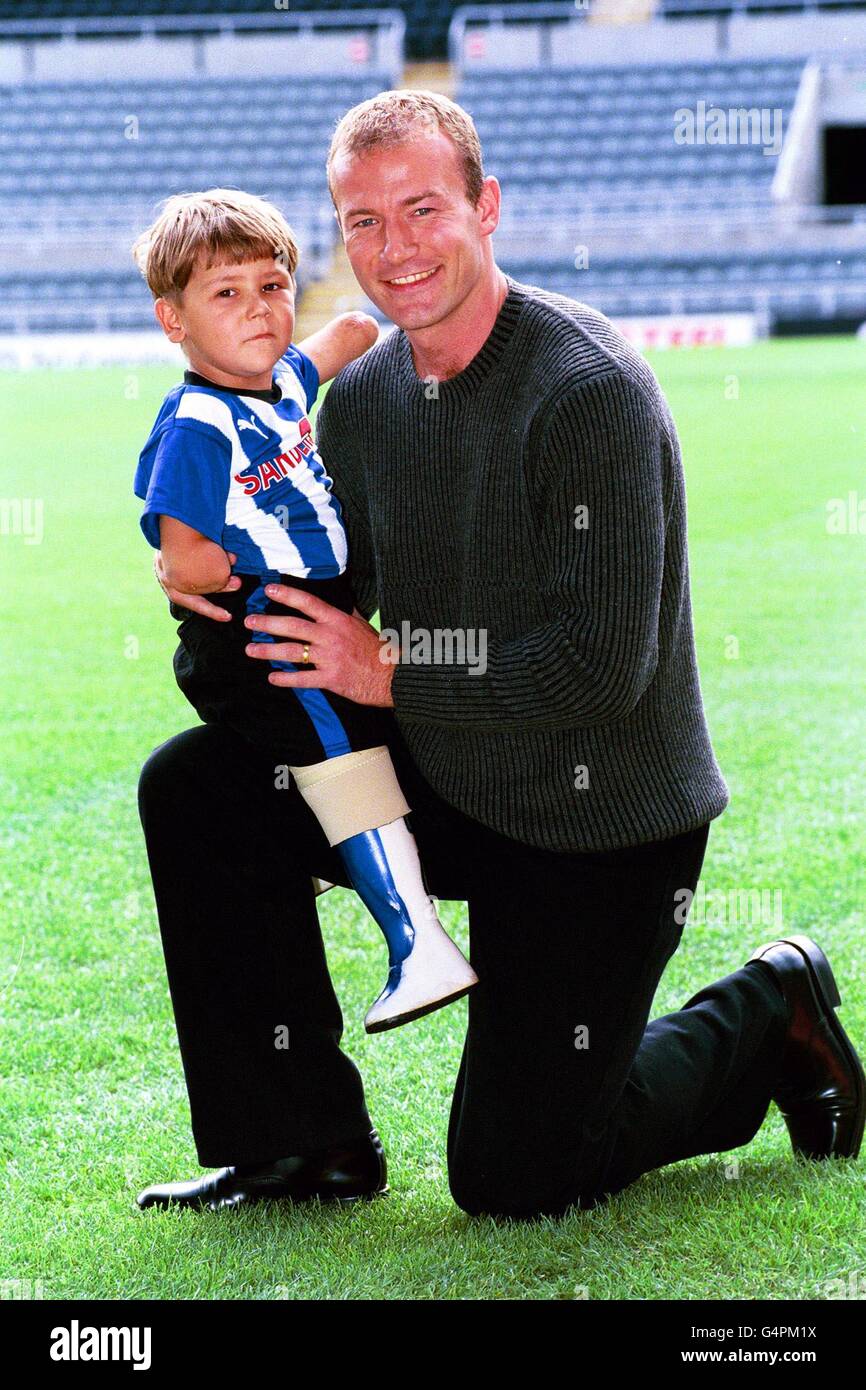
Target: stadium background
{"points": [[696, 170]]}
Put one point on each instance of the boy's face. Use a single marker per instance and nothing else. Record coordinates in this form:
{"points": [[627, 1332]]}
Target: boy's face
{"points": [[234, 321]]}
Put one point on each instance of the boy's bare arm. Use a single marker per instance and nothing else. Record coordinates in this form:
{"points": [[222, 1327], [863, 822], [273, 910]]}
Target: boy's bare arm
{"points": [[340, 342], [190, 562]]}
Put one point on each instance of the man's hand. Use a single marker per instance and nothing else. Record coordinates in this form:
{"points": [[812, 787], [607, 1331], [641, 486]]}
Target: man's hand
{"points": [[344, 648], [195, 602]]}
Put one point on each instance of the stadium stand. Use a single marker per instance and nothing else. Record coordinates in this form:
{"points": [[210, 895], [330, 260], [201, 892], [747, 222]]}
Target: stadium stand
{"points": [[607, 133], [64, 163], [789, 283], [426, 31], [602, 201], [427, 21], [83, 164]]}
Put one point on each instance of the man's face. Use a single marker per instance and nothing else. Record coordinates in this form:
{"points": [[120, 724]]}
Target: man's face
{"points": [[415, 242], [235, 321]]}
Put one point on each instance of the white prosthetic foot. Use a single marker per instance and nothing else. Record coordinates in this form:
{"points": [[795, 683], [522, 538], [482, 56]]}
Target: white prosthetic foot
{"points": [[427, 969], [435, 973]]}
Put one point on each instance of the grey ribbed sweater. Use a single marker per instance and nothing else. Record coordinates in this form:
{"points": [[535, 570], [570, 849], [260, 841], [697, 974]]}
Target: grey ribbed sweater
{"points": [[459, 499]]}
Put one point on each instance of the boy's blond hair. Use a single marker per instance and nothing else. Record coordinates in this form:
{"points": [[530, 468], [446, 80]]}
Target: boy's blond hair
{"points": [[222, 223], [391, 118]]}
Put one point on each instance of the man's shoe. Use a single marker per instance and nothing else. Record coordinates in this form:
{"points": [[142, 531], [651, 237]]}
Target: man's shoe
{"points": [[821, 1090], [342, 1174]]}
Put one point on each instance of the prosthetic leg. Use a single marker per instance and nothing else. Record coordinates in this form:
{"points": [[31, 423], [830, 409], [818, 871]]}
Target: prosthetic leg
{"points": [[358, 802]]}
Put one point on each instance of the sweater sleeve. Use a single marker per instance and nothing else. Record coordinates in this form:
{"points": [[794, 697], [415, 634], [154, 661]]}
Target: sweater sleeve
{"points": [[601, 448], [335, 448]]}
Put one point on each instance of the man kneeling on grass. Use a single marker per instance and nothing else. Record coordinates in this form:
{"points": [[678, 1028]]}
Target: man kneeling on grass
{"points": [[565, 792]]}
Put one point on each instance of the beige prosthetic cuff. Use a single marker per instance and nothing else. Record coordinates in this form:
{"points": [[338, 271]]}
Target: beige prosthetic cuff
{"points": [[352, 793]]}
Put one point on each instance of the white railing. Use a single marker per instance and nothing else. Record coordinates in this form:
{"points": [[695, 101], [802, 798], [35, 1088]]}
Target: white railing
{"points": [[383, 31], [546, 16], [216, 22], [741, 7], [714, 29], [533, 232]]}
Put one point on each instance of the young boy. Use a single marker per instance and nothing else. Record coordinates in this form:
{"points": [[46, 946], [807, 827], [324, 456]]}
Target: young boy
{"points": [[232, 484]]}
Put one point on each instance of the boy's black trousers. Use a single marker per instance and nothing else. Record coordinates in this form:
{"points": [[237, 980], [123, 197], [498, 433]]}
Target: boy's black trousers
{"points": [[565, 1092]]}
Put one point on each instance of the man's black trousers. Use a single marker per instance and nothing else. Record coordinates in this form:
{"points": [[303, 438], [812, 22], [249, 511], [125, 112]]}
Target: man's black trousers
{"points": [[565, 1093]]}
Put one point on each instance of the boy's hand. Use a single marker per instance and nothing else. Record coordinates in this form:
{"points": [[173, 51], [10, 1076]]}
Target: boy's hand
{"points": [[196, 603]]}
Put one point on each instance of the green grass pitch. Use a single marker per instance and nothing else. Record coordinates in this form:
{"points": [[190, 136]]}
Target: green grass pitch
{"points": [[93, 1100]]}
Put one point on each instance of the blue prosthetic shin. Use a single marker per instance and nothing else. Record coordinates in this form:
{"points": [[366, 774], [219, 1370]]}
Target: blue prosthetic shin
{"points": [[368, 868]]}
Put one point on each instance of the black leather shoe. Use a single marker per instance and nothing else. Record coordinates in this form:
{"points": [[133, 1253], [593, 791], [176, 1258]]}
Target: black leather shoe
{"points": [[340, 1174], [821, 1090]]}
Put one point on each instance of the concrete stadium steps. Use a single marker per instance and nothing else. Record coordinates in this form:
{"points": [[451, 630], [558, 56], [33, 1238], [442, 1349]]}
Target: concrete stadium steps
{"points": [[622, 11], [431, 77]]}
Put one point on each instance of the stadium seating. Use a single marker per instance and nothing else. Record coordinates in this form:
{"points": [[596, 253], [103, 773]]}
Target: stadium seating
{"points": [[69, 139], [65, 156], [585, 154], [793, 284], [598, 135], [101, 300], [589, 164]]}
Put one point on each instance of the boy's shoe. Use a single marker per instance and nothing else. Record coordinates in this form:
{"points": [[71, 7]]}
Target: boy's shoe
{"points": [[342, 1174], [821, 1088]]}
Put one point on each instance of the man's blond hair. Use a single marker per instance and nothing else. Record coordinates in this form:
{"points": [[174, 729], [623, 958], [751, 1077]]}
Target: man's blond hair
{"points": [[392, 118], [222, 224]]}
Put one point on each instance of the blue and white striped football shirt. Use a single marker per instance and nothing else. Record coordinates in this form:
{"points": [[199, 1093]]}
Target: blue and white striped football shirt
{"points": [[243, 470]]}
